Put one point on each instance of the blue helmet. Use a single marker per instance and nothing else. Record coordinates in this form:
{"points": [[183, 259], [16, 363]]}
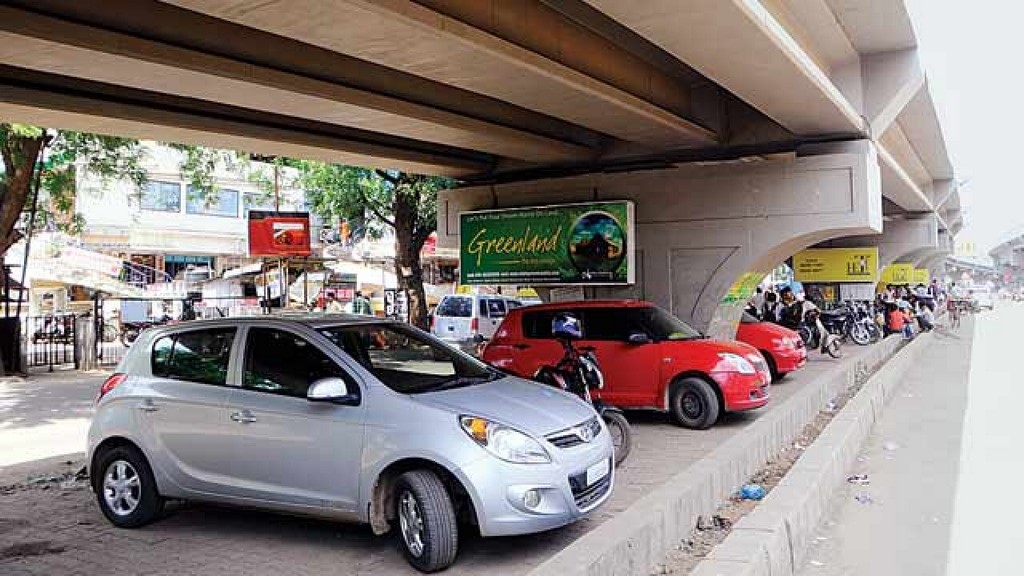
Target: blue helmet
{"points": [[566, 325]]}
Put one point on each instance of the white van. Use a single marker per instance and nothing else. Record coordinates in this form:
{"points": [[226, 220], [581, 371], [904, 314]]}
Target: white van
{"points": [[461, 318]]}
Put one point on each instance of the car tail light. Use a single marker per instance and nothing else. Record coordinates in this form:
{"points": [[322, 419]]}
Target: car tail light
{"points": [[474, 325], [110, 383]]}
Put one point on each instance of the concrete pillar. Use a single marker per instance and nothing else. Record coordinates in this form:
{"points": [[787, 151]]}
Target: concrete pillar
{"points": [[700, 228], [85, 343]]}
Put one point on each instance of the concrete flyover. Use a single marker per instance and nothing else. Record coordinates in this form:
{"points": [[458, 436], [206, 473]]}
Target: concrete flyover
{"points": [[679, 106]]}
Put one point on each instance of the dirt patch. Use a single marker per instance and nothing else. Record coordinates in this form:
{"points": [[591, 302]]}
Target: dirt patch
{"points": [[36, 548], [711, 531]]}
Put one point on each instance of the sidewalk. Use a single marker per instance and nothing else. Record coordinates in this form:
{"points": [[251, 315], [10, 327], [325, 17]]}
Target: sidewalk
{"points": [[899, 523], [45, 415]]}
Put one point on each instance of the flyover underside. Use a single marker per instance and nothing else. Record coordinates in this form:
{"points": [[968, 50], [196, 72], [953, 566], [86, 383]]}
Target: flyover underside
{"points": [[903, 240], [700, 228]]}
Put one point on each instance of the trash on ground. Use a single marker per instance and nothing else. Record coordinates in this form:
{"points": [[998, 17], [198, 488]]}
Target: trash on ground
{"points": [[890, 446], [752, 492], [716, 522], [864, 498], [861, 479], [799, 446], [831, 406], [817, 563], [821, 538]]}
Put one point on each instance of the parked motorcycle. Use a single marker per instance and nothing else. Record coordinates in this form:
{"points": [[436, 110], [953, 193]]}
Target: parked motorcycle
{"points": [[579, 373], [54, 329], [815, 335], [846, 322], [131, 330]]}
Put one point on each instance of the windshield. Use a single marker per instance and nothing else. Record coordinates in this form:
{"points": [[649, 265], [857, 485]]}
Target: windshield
{"points": [[748, 318], [457, 306], [664, 326], [408, 360]]}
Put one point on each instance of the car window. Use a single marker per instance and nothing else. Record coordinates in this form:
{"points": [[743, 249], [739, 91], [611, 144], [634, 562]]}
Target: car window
{"points": [[197, 355], [537, 324], [457, 306], [280, 362], [407, 360], [495, 308], [748, 318], [665, 326], [614, 324]]}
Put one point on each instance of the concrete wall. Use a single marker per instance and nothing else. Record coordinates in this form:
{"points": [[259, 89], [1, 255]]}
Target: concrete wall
{"points": [[701, 227]]}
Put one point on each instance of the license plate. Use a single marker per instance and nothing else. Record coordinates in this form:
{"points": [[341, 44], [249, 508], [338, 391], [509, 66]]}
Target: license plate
{"points": [[597, 472]]}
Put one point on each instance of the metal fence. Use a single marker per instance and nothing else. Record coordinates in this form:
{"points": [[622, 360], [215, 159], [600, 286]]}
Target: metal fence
{"points": [[50, 341]]}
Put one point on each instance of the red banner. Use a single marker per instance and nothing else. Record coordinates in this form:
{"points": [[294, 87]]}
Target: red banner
{"points": [[279, 233]]}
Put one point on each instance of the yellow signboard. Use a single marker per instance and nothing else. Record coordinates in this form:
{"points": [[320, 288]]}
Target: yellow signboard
{"points": [[464, 289], [898, 274], [836, 265], [922, 276]]}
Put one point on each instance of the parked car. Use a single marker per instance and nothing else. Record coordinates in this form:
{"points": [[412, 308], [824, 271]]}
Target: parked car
{"points": [[782, 348], [650, 358], [462, 319], [344, 417]]}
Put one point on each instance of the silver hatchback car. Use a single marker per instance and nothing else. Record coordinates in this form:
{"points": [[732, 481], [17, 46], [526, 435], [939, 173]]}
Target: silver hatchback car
{"points": [[343, 417]]}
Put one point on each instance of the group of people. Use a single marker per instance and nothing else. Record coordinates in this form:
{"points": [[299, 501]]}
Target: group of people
{"points": [[783, 308], [360, 304]]}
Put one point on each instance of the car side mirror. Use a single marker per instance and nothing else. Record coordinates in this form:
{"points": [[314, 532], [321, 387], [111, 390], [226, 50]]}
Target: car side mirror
{"points": [[638, 338], [334, 390]]}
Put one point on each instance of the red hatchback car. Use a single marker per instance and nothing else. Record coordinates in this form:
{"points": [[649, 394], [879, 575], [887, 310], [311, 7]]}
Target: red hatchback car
{"points": [[781, 347], [650, 359]]}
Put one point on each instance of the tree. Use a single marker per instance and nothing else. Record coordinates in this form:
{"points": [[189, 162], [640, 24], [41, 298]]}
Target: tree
{"points": [[34, 155], [406, 203]]}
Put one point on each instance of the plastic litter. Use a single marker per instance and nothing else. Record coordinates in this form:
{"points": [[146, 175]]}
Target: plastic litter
{"points": [[860, 479], [817, 563], [890, 446], [752, 492], [831, 406], [864, 498]]}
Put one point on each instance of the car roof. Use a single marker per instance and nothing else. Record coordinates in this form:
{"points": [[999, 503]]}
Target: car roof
{"points": [[586, 304], [305, 319]]}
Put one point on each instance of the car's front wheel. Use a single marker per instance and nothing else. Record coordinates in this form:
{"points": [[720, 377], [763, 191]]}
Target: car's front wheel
{"points": [[694, 404], [125, 488], [426, 521]]}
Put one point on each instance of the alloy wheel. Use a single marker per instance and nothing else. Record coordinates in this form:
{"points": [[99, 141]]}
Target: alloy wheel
{"points": [[122, 488], [410, 518]]}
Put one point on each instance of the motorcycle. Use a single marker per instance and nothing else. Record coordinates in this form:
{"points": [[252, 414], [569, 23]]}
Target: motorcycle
{"points": [[579, 373], [815, 335], [130, 330], [848, 322], [54, 329]]}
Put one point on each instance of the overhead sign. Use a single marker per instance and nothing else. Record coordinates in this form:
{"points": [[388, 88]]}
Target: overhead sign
{"points": [[898, 274], [278, 233], [922, 276], [568, 244], [828, 265]]}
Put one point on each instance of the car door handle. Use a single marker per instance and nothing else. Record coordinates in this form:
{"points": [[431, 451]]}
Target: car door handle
{"points": [[148, 406], [243, 417]]}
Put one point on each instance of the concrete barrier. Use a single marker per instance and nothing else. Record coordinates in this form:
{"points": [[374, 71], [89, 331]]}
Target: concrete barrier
{"points": [[639, 537], [773, 539]]}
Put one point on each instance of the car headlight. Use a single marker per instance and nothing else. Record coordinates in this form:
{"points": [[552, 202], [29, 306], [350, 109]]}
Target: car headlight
{"points": [[737, 363], [784, 342], [506, 443]]}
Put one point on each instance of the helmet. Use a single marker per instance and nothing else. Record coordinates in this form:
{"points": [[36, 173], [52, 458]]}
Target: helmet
{"points": [[565, 325]]}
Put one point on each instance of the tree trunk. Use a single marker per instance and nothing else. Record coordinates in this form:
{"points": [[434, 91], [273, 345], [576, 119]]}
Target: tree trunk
{"points": [[20, 154], [408, 269]]}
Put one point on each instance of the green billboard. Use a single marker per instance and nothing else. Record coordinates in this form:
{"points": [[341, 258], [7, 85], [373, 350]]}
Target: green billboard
{"points": [[569, 244]]}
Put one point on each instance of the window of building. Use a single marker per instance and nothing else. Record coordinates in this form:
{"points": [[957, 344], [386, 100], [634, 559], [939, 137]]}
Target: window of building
{"points": [[196, 356], [161, 196], [220, 202]]}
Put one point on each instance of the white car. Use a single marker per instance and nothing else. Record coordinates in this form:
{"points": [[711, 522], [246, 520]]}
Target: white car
{"points": [[982, 298]]}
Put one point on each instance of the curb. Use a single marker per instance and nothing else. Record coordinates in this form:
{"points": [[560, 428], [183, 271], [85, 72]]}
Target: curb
{"points": [[773, 539], [639, 537]]}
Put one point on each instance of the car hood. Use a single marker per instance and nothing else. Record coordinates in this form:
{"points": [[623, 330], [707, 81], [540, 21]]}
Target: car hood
{"points": [[765, 330], [527, 406]]}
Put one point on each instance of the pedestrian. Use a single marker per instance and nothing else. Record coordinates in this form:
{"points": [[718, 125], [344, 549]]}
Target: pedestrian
{"points": [[332, 304], [758, 300], [894, 319], [791, 314], [908, 320], [770, 311], [925, 317], [361, 305]]}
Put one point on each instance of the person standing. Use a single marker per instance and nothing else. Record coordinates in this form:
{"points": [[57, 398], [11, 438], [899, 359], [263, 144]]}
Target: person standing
{"points": [[792, 313], [361, 305]]}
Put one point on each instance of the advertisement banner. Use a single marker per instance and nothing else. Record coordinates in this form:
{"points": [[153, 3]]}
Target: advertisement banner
{"points": [[279, 233], [898, 274], [569, 244], [922, 276], [836, 265]]}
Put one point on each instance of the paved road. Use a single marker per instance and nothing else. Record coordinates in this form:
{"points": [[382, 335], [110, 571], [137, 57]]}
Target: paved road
{"points": [[67, 527], [944, 462]]}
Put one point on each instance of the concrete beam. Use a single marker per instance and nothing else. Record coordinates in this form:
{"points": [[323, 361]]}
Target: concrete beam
{"points": [[901, 240], [784, 81], [699, 228], [945, 190], [899, 187], [417, 39], [891, 80]]}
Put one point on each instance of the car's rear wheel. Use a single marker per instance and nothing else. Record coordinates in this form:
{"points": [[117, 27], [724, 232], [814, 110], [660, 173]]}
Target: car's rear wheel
{"points": [[427, 526], [125, 488], [694, 404]]}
